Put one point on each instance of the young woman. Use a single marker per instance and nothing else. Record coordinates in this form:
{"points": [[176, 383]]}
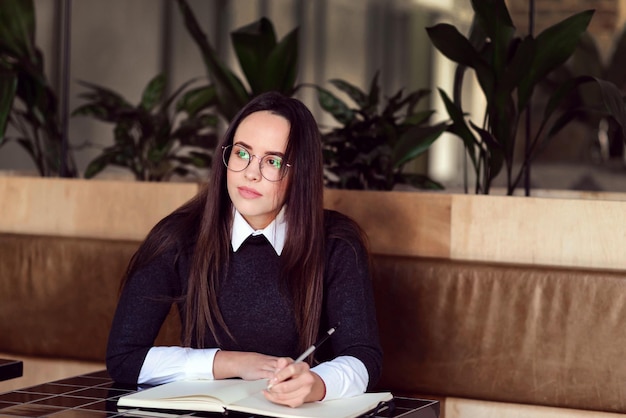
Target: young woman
{"points": [[258, 269]]}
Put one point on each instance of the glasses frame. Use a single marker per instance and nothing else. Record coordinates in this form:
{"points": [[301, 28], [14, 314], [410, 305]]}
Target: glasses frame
{"points": [[226, 149]]}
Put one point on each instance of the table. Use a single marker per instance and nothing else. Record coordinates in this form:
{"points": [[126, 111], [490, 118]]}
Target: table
{"points": [[95, 395], [10, 369]]}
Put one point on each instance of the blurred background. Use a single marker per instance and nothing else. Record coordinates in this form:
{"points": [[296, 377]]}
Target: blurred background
{"points": [[122, 44]]}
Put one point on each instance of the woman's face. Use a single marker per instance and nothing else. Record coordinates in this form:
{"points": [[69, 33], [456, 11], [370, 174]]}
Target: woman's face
{"points": [[256, 198]]}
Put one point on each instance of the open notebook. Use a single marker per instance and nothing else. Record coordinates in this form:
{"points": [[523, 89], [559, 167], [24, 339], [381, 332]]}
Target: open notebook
{"points": [[243, 396]]}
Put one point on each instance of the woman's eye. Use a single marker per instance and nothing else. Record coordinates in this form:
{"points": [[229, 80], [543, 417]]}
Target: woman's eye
{"points": [[275, 162], [243, 154]]}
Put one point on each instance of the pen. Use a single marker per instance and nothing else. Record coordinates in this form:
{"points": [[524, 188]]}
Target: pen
{"points": [[313, 347]]}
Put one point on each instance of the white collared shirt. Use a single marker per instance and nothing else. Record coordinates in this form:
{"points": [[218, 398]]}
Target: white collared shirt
{"points": [[275, 232], [343, 376]]}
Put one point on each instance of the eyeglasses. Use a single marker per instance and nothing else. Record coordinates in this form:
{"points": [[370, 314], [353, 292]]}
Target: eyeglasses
{"points": [[238, 158]]}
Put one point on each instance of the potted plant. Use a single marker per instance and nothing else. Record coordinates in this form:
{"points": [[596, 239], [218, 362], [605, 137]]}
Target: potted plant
{"points": [[371, 148], [160, 136], [376, 138], [268, 64], [508, 69], [28, 103], [585, 103]]}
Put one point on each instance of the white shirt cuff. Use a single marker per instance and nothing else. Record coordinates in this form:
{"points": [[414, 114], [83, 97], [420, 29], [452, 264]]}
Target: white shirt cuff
{"points": [[167, 364], [344, 376]]}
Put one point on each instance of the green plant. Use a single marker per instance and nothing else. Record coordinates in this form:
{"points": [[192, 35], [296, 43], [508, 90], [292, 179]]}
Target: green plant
{"points": [[28, 104], [586, 103], [376, 140], [266, 63], [153, 140], [508, 69]]}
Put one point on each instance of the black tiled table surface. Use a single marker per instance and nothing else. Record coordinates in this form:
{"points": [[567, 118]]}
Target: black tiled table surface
{"points": [[95, 395], [10, 369]]}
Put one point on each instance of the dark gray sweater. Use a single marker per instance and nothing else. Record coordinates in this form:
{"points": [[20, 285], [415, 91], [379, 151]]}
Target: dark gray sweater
{"points": [[257, 311]]}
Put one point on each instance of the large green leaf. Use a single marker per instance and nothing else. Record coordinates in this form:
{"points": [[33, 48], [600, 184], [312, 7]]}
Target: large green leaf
{"points": [[374, 94], [231, 93], [615, 70], [333, 105], [517, 67], [188, 132], [17, 28], [95, 111], [493, 16], [356, 94], [8, 87], [35, 93], [280, 69], [451, 43], [196, 159], [418, 118], [564, 119], [504, 120], [167, 102], [477, 39], [459, 126], [493, 160], [415, 142], [125, 140], [34, 153], [413, 98], [196, 100], [553, 47], [395, 103], [614, 102], [487, 138], [104, 97], [588, 60], [562, 92], [98, 164], [154, 92], [253, 43]]}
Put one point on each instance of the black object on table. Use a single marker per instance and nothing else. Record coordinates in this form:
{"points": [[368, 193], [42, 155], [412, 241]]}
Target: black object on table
{"points": [[10, 369], [95, 395]]}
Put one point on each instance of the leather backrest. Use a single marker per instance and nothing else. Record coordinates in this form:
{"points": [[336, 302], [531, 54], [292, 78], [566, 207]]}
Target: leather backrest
{"points": [[513, 333], [58, 295]]}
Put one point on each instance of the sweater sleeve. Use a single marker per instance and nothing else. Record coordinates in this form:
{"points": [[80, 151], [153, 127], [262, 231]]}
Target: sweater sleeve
{"points": [[144, 303], [349, 299]]}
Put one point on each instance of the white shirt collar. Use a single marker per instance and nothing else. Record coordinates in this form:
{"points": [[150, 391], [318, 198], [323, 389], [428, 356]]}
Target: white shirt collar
{"points": [[274, 232]]}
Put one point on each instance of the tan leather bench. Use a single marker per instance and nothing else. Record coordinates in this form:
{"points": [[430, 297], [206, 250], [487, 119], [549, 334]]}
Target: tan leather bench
{"points": [[509, 333], [450, 329]]}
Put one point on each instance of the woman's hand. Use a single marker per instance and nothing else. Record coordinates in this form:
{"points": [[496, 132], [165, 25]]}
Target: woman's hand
{"points": [[248, 366], [294, 384]]}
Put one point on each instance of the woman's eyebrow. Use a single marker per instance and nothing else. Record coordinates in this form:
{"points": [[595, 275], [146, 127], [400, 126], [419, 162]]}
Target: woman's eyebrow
{"points": [[251, 148], [243, 144]]}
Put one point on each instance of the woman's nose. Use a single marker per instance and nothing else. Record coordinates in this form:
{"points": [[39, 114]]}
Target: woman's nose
{"points": [[253, 171]]}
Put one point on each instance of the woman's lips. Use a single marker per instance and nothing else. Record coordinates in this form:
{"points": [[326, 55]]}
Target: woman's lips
{"points": [[248, 193]]}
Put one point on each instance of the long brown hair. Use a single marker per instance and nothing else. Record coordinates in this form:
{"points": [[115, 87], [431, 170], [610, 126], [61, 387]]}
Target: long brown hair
{"points": [[208, 218]]}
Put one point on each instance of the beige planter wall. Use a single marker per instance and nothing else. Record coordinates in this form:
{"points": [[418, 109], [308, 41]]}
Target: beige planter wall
{"points": [[124, 210], [561, 232], [400, 223], [529, 230]]}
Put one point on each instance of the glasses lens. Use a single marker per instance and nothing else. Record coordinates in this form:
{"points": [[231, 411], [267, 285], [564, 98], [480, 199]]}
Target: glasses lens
{"points": [[236, 157], [272, 167]]}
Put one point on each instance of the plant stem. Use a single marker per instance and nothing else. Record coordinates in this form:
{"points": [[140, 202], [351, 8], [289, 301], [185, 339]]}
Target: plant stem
{"points": [[531, 28]]}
